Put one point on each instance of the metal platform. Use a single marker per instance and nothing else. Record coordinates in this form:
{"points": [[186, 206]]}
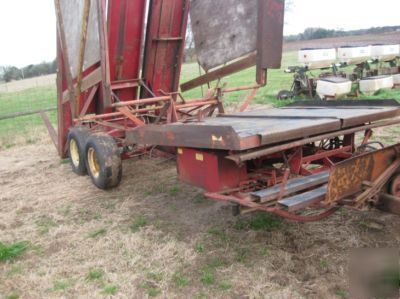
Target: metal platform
{"points": [[249, 130]]}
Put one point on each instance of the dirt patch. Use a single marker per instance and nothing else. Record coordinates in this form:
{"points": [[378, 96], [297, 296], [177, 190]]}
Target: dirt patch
{"points": [[153, 236]]}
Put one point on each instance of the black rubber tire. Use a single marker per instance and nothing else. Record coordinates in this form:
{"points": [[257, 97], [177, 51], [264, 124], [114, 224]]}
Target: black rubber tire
{"points": [[285, 95], [107, 158], [79, 135]]}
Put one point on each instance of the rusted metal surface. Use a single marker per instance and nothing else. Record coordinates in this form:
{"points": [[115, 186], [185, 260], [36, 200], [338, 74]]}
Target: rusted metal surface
{"points": [[291, 187], [143, 101], [50, 128], [89, 101], [250, 155], [104, 55], [126, 26], [64, 82], [303, 200], [248, 99], [232, 34], [165, 36], [218, 73], [230, 29], [223, 30], [389, 203], [269, 43], [348, 177], [372, 189], [81, 59], [258, 128], [246, 202]]}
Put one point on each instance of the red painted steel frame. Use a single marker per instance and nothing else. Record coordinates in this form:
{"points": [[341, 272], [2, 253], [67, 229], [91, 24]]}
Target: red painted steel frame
{"points": [[126, 21], [209, 170], [165, 42]]}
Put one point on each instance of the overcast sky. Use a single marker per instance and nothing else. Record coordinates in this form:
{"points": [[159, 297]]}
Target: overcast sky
{"points": [[27, 27]]}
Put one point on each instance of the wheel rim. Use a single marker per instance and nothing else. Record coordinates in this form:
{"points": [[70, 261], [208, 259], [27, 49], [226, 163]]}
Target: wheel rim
{"points": [[94, 165], [74, 152]]}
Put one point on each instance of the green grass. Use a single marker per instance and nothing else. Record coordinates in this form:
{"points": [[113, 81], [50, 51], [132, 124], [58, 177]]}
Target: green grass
{"points": [[24, 101], [94, 275], [216, 262], [207, 276], [224, 286], [219, 234], [13, 295], [63, 284], [384, 94], [207, 272], [260, 221], [151, 289], [28, 99], [323, 264], [9, 252], [155, 276], [97, 233], [14, 271], [276, 81], [138, 223], [199, 248], [174, 191], [110, 290], [180, 280], [45, 224]]}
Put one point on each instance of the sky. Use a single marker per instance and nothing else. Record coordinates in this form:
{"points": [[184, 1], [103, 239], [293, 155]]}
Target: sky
{"points": [[28, 30]]}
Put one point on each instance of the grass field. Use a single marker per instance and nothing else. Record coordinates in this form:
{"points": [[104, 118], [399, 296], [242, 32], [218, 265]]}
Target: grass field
{"points": [[153, 236], [40, 93]]}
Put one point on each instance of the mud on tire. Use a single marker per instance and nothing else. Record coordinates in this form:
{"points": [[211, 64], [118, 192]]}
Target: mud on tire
{"points": [[103, 161], [77, 138]]}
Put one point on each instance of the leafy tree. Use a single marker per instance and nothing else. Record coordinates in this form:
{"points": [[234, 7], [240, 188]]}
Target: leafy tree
{"points": [[1, 73], [11, 73]]}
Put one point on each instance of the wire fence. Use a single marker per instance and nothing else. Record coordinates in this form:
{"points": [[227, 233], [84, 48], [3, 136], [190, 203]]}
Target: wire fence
{"points": [[22, 100], [20, 103]]}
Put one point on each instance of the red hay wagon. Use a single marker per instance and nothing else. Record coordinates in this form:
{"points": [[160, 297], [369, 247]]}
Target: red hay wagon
{"points": [[118, 98]]}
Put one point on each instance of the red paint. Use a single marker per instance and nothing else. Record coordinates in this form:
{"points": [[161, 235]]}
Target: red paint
{"points": [[209, 170], [125, 36], [163, 58]]}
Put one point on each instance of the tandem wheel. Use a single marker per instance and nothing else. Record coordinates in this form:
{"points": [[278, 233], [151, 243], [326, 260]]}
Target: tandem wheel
{"points": [[103, 161], [77, 138]]}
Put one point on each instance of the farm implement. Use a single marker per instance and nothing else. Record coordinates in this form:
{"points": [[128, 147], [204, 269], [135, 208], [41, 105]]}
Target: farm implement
{"points": [[119, 98], [375, 68]]}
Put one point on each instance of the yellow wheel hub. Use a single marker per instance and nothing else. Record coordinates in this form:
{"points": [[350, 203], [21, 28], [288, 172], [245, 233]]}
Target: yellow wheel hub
{"points": [[74, 152], [94, 165]]}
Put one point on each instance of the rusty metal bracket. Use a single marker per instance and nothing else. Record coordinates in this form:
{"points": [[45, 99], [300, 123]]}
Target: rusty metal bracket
{"points": [[348, 178]]}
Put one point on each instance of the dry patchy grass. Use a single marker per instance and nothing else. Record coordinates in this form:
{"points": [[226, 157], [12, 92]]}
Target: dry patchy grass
{"points": [[156, 237]]}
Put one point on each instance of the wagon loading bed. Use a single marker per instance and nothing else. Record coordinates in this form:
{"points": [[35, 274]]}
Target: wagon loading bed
{"points": [[265, 127]]}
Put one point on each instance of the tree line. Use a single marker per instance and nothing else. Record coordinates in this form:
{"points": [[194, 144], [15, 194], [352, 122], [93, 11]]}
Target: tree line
{"points": [[318, 33], [12, 73]]}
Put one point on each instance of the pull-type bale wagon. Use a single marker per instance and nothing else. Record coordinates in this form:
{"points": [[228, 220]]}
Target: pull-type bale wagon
{"points": [[118, 98]]}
